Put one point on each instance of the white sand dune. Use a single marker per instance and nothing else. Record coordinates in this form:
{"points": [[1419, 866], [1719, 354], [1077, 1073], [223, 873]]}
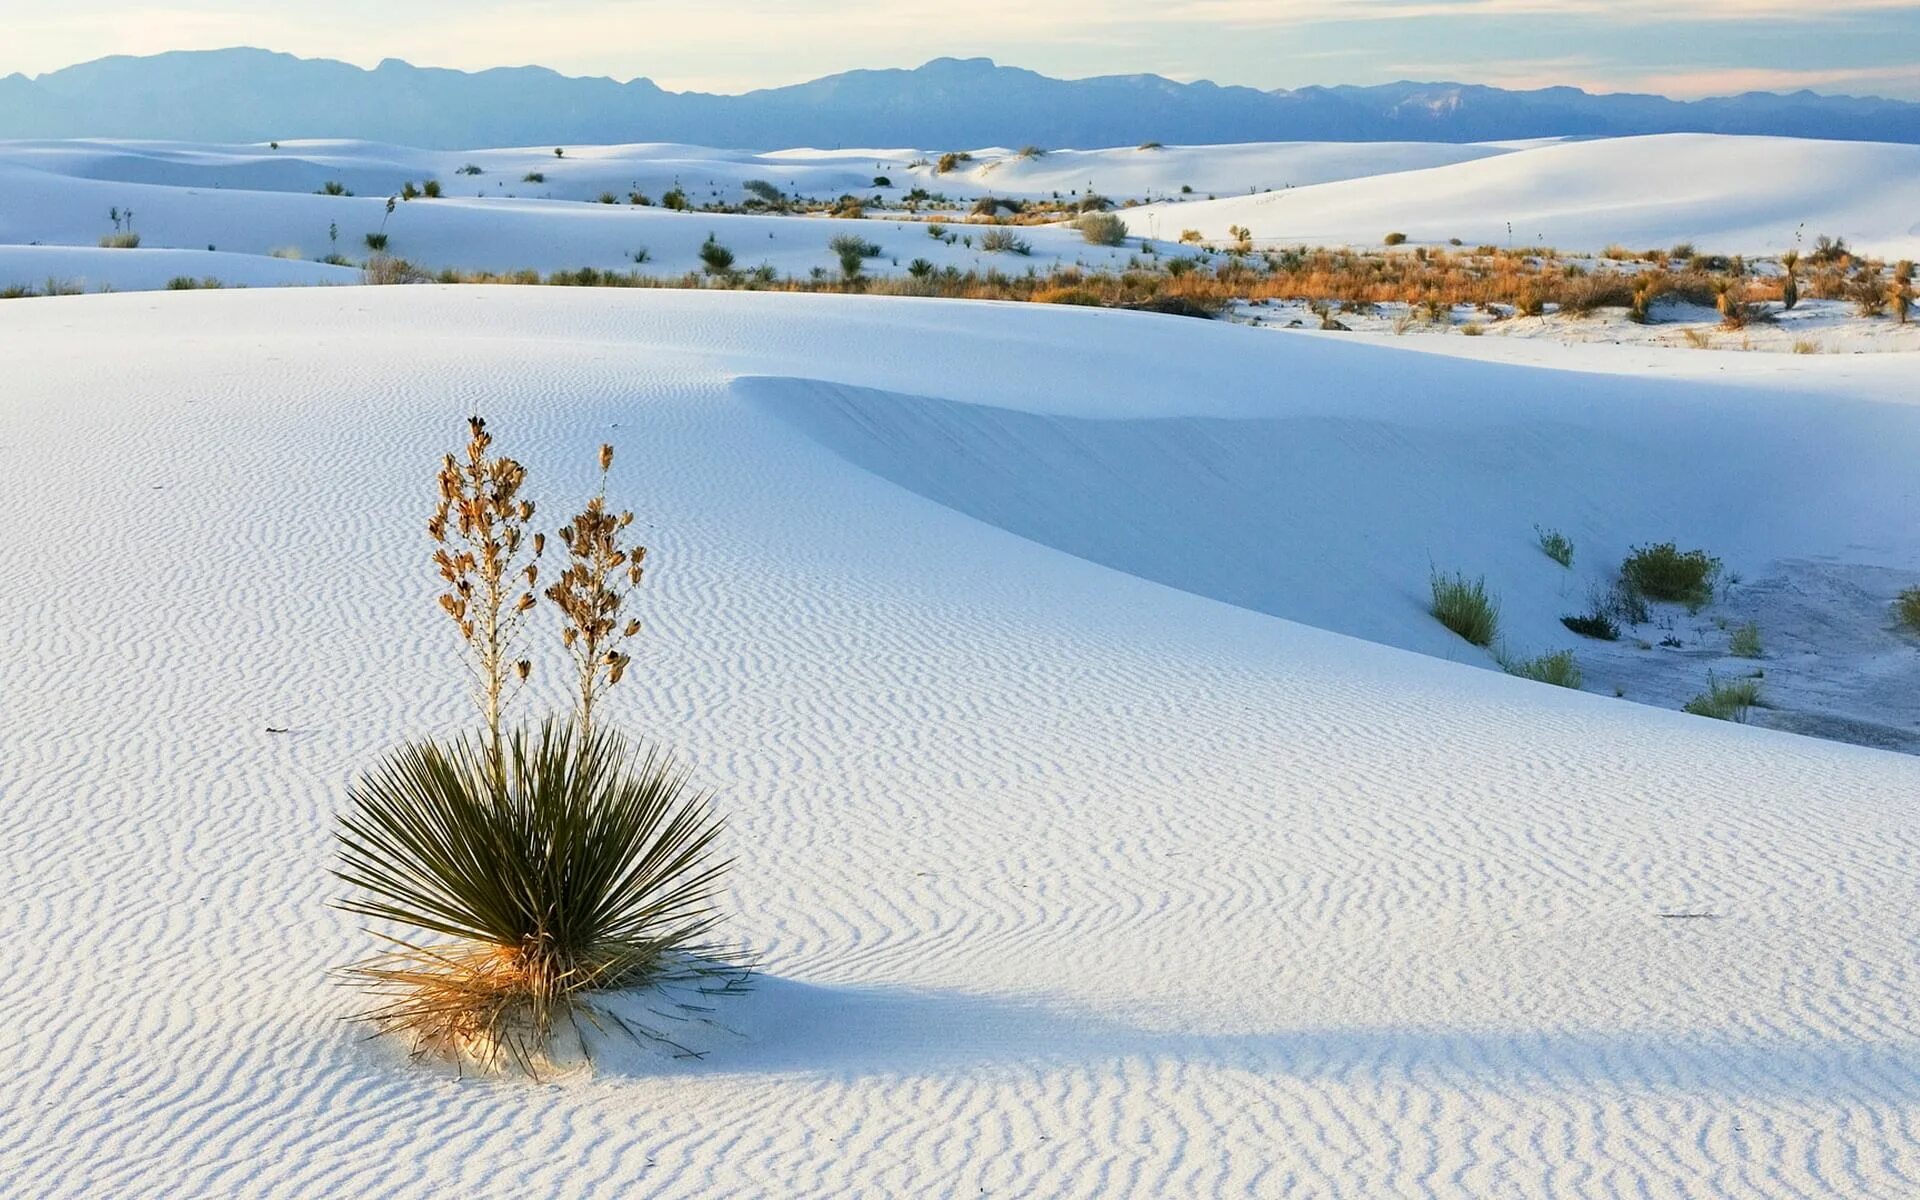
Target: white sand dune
{"points": [[1727, 194], [1065, 882]]}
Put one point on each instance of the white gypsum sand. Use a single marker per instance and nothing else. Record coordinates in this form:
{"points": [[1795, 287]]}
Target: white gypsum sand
{"points": [[1064, 881], [1727, 194]]}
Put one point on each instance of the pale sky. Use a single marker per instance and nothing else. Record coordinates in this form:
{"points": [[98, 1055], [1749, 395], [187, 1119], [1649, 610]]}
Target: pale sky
{"points": [[1864, 47]]}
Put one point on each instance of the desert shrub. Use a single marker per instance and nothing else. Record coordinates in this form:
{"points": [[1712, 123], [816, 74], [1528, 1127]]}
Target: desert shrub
{"points": [[470, 169], [1745, 642], [1906, 609], [607, 198], [675, 199], [764, 192], [187, 283], [333, 187], [997, 241], [290, 253], [534, 177], [936, 230], [1557, 668], [1829, 251], [409, 191], [1464, 606], [1555, 545], [1725, 701], [1805, 346], [951, 160], [1102, 229], [383, 269], [1032, 152], [125, 239], [1596, 624], [1151, 146], [716, 258], [376, 242], [1586, 294], [1699, 339], [920, 268], [431, 189], [1190, 237], [1395, 239], [1664, 572], [882, 181], [1472, 329]]}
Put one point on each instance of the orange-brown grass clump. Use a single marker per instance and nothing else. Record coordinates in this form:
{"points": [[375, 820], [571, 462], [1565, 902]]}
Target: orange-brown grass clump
{"points": [[591, 591]]}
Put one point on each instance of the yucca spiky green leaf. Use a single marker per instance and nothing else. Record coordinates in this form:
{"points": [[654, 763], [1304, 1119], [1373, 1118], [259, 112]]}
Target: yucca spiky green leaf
{"points": [[587, 865]]}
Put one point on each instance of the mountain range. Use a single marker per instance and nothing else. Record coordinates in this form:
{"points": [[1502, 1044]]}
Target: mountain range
{"points": [[246, 95]]}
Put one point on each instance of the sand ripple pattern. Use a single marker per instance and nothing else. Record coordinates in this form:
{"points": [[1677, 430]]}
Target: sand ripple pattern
{"points": [[1066, 883]]}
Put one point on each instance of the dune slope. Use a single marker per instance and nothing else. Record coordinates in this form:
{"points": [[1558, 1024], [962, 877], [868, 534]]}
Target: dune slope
{"points": [[1065, 882]]}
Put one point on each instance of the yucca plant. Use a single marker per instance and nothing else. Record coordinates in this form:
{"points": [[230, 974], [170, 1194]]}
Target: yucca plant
{"points": [[589, 869]]}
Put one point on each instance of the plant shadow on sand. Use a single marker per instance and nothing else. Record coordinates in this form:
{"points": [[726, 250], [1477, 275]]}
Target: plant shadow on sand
{"points": [[786, 1027]]}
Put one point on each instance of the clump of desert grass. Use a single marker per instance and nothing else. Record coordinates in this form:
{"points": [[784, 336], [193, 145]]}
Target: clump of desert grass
{"points": [[1463, 605], [1557, 668], [1744, 642], [1906, 609], [532, 870], [1102, 229], [125, 239], [1555, 545], [1663, 571], [1725, 700]]}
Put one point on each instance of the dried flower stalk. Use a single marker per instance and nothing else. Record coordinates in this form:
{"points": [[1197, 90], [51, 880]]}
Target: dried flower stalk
{"points": [[591, 592], [487, 560]]}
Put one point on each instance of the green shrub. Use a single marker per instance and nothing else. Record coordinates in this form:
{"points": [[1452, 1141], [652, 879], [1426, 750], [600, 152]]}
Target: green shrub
{"points": [[376, 242], [1906, 609], [1555, 545], [1395, 239], [1732, 701], [586, 868], [1595, 624], [675, 199], [333, 187], [534, 177], [998, 240], [1745, 642], [431, 189], [123, 240], [1557, 668], [1464, 606], [951, 160], [1102, 229], [1664, 572]]}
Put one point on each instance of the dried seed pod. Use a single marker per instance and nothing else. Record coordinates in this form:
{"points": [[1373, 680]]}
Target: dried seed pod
{"points": [[606, 457]]}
